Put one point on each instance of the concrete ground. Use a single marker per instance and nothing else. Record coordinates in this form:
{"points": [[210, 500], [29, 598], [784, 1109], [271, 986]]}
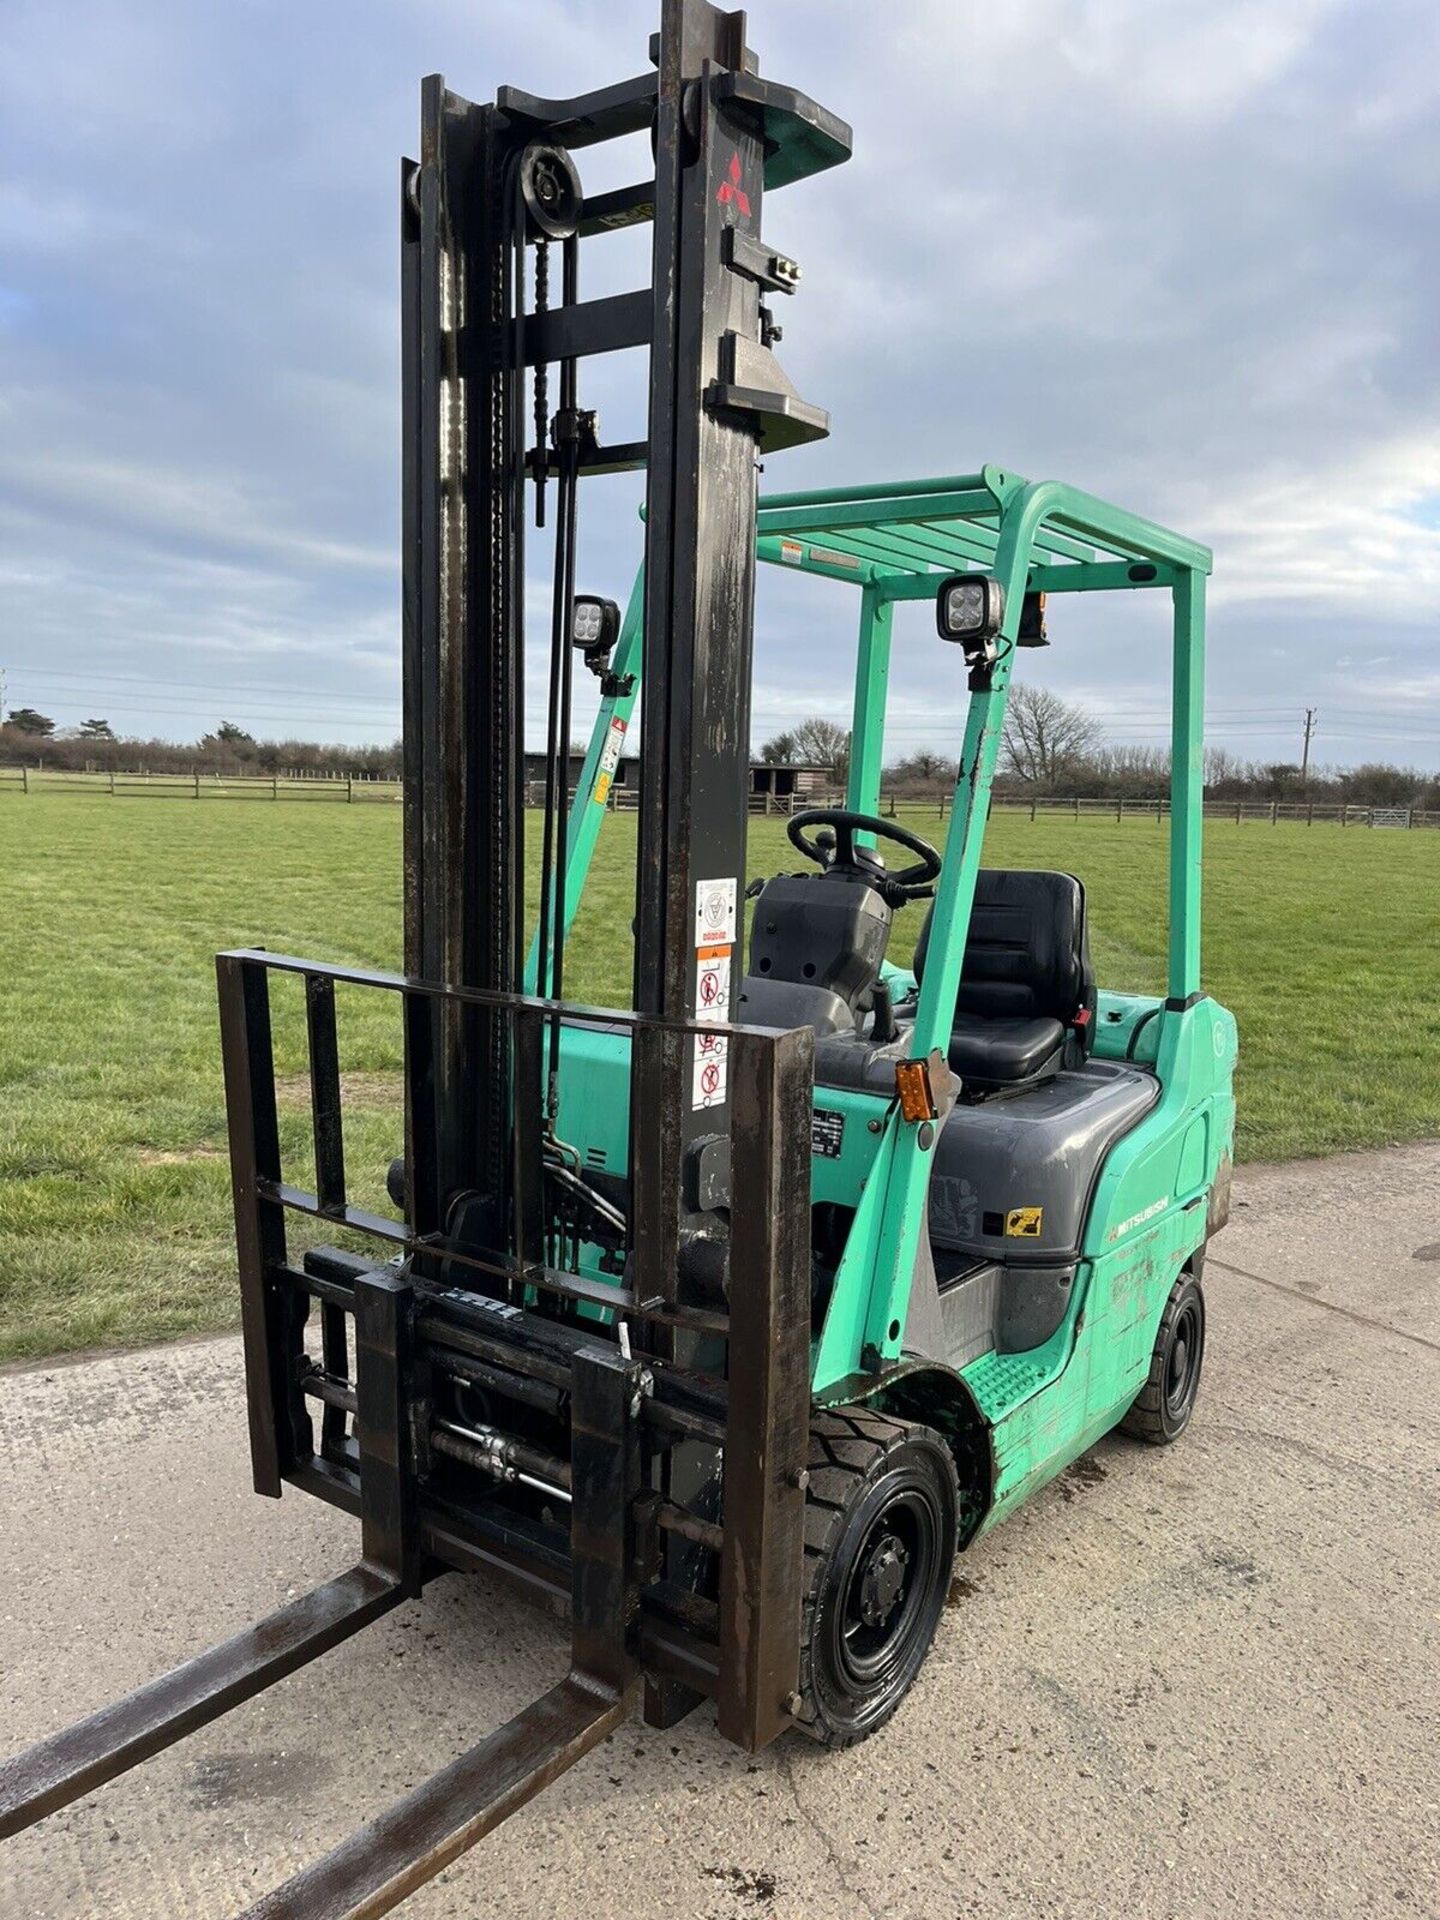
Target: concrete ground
{"points": [[1191, 1682]]}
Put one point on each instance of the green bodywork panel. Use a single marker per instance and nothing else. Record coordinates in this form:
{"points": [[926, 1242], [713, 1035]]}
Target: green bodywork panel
{"points": [[1155, 1201], [1149, 1216]]}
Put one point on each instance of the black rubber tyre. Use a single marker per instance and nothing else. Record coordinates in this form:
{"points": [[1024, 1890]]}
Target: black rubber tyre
{"points": [[881, 1514], [1163, 1407]]}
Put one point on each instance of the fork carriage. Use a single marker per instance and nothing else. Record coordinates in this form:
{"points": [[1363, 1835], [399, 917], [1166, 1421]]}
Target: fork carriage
{"points": [[479, 1410]]}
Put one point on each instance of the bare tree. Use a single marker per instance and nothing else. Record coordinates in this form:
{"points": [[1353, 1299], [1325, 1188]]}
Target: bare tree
{"points": [[822, 743], [812, 743], [1044, 735], [1222, 768], [1131, 773], [923, 768]]}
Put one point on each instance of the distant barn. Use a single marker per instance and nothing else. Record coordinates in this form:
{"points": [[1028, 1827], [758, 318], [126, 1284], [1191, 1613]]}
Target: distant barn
{"points": [[783, 785], [809, 780], [627, 775]]}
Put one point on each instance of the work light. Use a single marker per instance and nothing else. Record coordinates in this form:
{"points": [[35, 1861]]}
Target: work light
{"points": [[969, 608], [594, 623]]}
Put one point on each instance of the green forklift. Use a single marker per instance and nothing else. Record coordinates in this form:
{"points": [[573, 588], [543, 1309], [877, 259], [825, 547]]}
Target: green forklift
{"points": [[728, 1318], [1014, 1173]]}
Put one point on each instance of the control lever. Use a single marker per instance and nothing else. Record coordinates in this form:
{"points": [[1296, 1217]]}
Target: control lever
{"points": [[884, 1027]]}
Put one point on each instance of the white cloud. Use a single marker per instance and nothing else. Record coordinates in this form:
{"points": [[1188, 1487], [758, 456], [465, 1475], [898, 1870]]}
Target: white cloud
{"points": [[1177, 253], [1351, 535]]}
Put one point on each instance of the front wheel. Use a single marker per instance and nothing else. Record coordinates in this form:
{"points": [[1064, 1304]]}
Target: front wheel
{"points": [[881, 1514], [1162, 1409]]}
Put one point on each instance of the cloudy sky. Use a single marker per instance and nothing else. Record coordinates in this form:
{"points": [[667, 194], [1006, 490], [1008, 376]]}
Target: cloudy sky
{"points": [[1181, 252]]}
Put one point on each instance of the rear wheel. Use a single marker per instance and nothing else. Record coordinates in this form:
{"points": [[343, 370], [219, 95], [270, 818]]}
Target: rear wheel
{"points": [[1162, 1409], [881, 1515]]}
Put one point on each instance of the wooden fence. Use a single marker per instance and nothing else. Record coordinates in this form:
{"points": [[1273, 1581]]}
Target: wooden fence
{"points": [[355, 788], [201, 785], [1238, 812]]}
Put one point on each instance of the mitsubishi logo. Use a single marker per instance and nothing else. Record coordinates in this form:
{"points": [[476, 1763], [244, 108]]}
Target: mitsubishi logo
{"points": [[731, 189]]}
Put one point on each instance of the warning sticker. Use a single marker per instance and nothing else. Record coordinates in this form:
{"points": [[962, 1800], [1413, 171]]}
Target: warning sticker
{"points": [[709, 1070], [715, 910], [1024, 1223], [833, 559], [791, 552], [610, 752], [712, 984], [609, 760], [715, 913]]}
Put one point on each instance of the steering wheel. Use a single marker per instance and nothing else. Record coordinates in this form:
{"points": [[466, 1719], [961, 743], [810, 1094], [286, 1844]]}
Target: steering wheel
{"points": [[908, 883]]}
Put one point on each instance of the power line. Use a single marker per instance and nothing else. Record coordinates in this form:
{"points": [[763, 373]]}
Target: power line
{"points": [[1131, 727], [48, 673], [232, 710], [1387, 724], [1123, 712], [221, 698]]}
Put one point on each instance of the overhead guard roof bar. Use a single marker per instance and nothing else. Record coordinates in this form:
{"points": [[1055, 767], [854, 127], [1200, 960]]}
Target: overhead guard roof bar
{"points": [[909, 540], [904, 536]]}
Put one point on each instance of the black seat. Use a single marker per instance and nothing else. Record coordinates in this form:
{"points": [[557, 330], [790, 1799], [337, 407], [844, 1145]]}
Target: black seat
{"points": [[1026, 1004]]}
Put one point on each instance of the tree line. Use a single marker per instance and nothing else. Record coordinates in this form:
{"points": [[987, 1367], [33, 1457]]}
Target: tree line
{"points": [[1050, 746], [31, 739], [1053, 747]]}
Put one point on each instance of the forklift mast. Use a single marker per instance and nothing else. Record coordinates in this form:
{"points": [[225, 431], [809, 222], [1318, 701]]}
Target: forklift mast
{"points": [[496, 191]]}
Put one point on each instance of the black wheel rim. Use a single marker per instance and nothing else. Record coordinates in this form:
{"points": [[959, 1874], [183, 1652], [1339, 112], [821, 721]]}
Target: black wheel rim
{"points": [[1182, 1362], [882, 1605]]}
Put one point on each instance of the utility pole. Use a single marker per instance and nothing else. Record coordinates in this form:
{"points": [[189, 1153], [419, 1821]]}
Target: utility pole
{"points": [[2, 696], [1310, 713]]}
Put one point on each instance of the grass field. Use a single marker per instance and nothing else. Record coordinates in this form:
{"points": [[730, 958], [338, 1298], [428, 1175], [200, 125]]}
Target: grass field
{"points": [[114, 1191]]}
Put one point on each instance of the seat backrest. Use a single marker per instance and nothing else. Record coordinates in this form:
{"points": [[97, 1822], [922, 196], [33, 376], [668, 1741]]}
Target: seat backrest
{"points": [[1027, 953]]}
